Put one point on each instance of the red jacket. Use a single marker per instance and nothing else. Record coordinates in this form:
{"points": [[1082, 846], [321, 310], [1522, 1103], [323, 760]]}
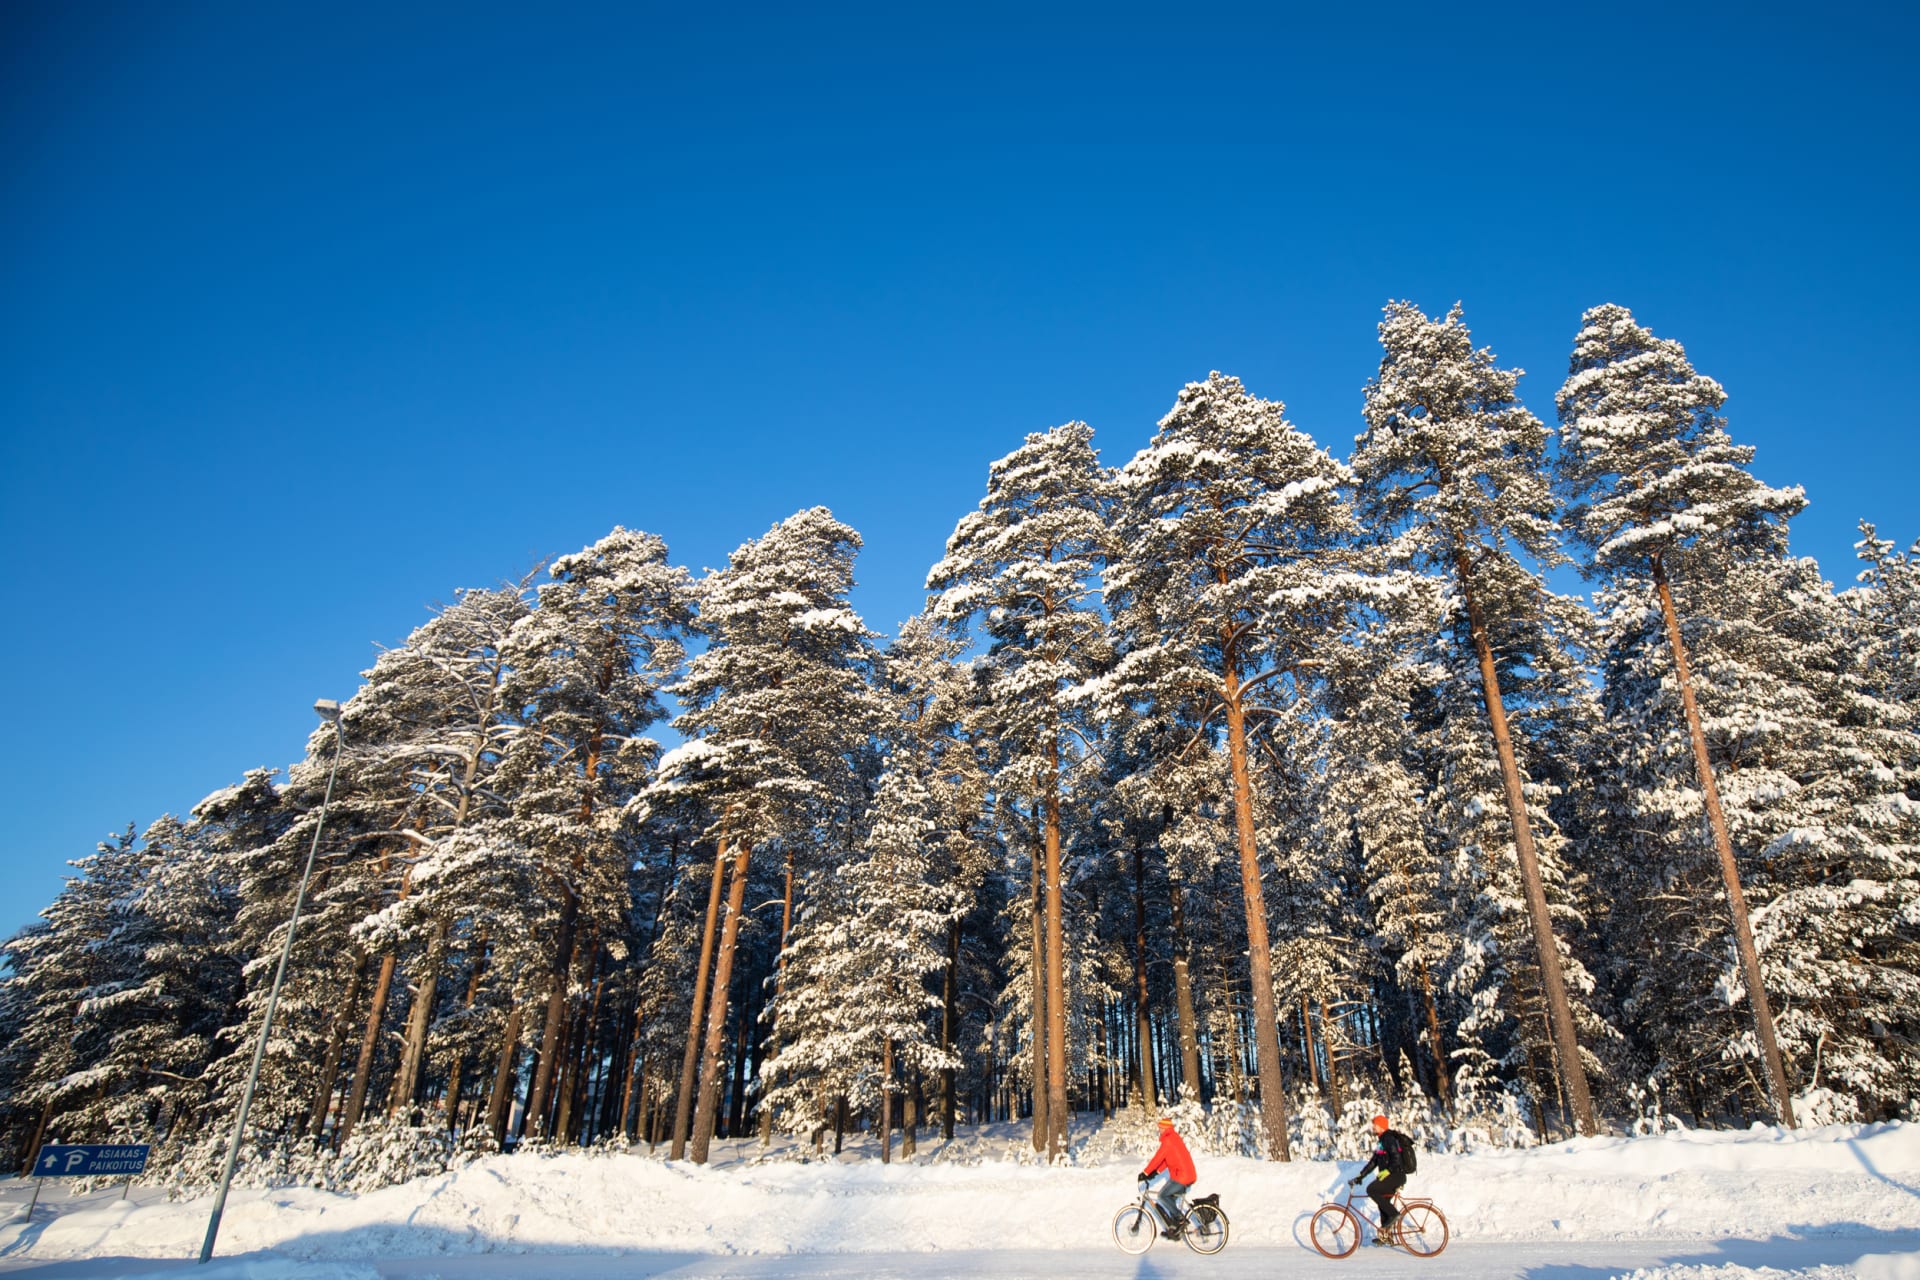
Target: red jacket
{"points": [[1172, 1156]]}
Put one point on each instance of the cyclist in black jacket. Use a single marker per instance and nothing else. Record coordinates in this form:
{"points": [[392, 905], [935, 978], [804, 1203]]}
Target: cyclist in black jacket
{"points": [[1390, 1148]]}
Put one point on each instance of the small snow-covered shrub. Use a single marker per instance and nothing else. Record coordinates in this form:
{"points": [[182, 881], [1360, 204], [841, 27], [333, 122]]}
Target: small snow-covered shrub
{"points": [[385, 1155], [1823, 1106], [1651, 1116], [377, 1155]]}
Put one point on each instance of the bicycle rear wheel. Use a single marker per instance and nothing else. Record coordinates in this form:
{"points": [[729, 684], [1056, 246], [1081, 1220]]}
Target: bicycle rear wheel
{"points": [[1422, 1230], [1334, 1231], [1206, 1230], [1134, 1229]]}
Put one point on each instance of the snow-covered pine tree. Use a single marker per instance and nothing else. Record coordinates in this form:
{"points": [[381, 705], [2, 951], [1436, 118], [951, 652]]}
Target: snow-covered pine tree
{"points": [[860, 968], [1887, 603], [149, 1031], [1026, 565], [1138, 906], [1822, 827], [585, 672], [1227, 579], [76, 971], [1375, 785], [1452, 470], [1653, 485], [935, 699], [1325, 970], [781, 714], [1503, 1024], [432, 717]]}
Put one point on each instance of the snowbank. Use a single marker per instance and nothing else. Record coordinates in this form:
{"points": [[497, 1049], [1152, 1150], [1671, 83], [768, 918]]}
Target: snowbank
{"points": [[1873, 1266], [1839, 1180]]}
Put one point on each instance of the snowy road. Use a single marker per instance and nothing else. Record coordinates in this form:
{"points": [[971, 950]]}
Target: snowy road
{"points": [[1698, 1205], [1491, 1261]]}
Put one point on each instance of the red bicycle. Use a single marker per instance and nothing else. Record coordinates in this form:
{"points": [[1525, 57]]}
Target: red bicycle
{"points": [[1421, 1229]]}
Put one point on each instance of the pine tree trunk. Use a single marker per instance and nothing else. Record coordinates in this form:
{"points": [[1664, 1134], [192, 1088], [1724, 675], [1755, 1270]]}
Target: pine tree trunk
{"points": [[581, 1045], [1729, 869], [1038, 1050], [1266, 1024], [690, 1061], [540, 1102], [949, 998], [538, 1121], [634, 1062], [1314, 1076], [742, 1048], [1142, 1019], [1433, 1035], [500, 1102], [1058, 1115], [457, 1067], [1560, 1009], [39, 1136], [1327, 1041], [336, 1045], [406, 1083], [526, 1099], [772, 1047], [1183, 997], [705, 1116], [886, 1103], [910, 1131], [1236, 1051], [635, 1071], [363, 1066], [559, 978]]}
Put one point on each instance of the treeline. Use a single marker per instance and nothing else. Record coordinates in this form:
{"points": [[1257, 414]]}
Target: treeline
{"points": [[1235, 773]]}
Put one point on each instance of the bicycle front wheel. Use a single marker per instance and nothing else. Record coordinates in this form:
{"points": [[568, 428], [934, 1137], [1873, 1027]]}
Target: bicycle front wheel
{"points": [[1422, 1230], [1206, 1230], [1335, 1231], [1134, 1229]]}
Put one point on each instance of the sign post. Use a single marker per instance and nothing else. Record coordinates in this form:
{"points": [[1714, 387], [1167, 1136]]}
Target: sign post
{"points": [[62, 1161]]}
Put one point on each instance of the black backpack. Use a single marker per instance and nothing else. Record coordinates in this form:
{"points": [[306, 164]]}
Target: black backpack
{"points": [[1401, 1158]]}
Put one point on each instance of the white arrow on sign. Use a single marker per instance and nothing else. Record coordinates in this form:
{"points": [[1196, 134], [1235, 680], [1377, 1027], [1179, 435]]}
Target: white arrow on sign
{"points": [[50, 1161]]}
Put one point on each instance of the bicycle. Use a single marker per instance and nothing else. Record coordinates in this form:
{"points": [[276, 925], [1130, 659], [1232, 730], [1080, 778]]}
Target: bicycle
{"points": [[1421, 1229], [1136, 1225]]}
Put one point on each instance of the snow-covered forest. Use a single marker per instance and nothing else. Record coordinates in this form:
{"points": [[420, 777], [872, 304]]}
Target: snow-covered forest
{"points": [[1222, 772]]}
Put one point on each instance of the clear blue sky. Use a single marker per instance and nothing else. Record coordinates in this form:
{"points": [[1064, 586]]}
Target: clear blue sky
{"points": [[311, 315]]}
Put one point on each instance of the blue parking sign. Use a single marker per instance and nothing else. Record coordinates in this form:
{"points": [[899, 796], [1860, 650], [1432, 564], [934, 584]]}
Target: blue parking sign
{"points": [[90, 1162]]}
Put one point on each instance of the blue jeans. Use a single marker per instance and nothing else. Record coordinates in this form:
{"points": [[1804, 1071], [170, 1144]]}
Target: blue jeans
{"points": [[1171, 1197]]}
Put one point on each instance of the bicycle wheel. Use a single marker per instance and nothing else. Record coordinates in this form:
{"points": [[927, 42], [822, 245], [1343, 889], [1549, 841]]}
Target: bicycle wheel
{"points": [[1422, 1229], [1335, 1231], [1206, 1230], [1134, 1229]]}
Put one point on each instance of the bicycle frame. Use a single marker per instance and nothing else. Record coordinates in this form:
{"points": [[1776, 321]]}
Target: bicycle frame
{"points": [[1359, 1197], [1150, 1201]]}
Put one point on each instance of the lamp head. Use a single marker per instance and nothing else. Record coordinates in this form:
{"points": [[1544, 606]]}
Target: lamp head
{"points": [[327, 709]]}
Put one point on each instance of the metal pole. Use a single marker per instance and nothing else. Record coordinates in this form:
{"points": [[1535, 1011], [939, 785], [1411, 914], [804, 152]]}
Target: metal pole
{"points": [[330, 710]]}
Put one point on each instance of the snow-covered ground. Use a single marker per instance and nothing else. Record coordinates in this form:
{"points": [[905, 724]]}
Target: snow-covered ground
{"points": [[1814, 1205]]}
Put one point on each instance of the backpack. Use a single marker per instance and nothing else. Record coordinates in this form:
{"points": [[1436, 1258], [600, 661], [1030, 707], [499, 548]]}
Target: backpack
{"points": [[1401, 1158]]}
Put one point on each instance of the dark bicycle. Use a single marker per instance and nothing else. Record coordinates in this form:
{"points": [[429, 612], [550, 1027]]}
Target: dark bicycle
{"points": [[1204, 1228]]}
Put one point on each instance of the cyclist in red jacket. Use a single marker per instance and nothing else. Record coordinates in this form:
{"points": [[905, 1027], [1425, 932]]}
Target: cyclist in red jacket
{"points": [[1176, 1162]]}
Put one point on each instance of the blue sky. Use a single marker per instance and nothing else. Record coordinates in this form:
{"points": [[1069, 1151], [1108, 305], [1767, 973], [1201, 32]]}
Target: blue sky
{"points": [[310, 317]]}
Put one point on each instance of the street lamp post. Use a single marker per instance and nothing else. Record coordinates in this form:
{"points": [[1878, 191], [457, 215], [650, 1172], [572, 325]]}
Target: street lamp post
{"points": [[328, 710]]}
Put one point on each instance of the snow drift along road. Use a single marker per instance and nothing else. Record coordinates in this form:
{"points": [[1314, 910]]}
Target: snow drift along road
{"points": [[1691, 1186]]}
